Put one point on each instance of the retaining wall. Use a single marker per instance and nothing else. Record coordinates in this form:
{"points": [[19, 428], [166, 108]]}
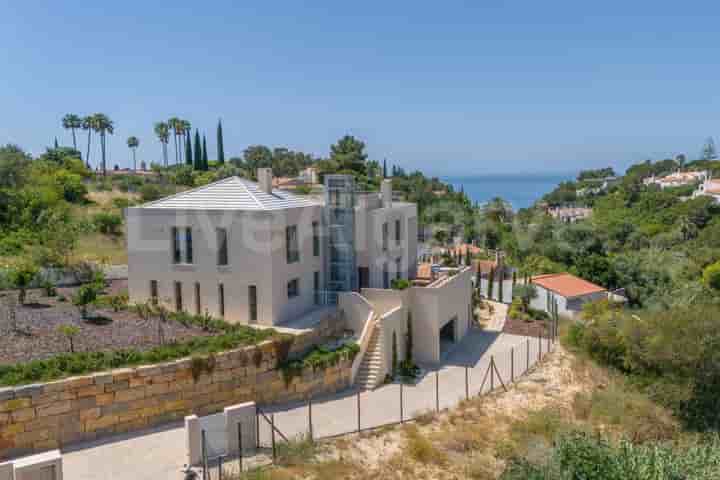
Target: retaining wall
{"points": [[36, 418]]}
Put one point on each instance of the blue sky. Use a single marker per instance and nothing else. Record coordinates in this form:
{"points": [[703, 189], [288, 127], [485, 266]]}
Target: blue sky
{"points": [[447, 87]]}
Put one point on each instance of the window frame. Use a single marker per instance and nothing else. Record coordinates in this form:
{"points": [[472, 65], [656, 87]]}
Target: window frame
{"points": [[316, 238], [175, 249], [293, 288], [252, 304], [398, 232], [292, 244], [221, 239], [221, 300], [198, 303], [385, 235], [189, 245], [177, 287]]}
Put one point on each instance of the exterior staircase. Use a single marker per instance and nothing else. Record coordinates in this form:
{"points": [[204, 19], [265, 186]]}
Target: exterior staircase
{"points": [[369, 374]]}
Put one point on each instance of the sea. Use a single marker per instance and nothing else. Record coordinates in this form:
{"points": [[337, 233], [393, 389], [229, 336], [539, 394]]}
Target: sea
{"points": [[520, 190]]}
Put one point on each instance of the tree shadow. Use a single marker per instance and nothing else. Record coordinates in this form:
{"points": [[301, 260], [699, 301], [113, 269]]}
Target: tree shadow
{"points": [[36, 305], [98, 320]]}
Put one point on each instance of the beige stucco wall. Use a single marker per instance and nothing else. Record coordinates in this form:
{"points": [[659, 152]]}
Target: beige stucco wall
{"points": [[256, 254]]}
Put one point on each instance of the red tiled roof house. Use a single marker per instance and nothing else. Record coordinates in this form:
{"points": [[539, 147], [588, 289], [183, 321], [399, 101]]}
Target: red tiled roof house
{"points": [[570, 293]]}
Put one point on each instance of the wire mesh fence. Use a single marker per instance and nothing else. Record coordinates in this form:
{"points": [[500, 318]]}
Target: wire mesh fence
{"points": [[353, 411]]}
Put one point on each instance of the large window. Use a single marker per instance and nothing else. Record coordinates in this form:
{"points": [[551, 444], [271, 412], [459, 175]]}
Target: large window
{"points": [[386, 276], [293, 288], [316, 239], [178, 297], [385, 236], [188, 245], [252, 303], [398, 268], [175, 239], [291, 244], [398, 232], [154, 291], [222, 246], [316, 287], [221, 300]]}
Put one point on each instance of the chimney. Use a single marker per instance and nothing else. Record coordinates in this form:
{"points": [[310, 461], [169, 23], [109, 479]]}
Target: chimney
{"points": [[265, 179], [386, 193]]}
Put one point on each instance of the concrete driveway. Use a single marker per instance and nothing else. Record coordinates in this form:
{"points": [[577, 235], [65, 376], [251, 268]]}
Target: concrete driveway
{"points": [[161, 453]]}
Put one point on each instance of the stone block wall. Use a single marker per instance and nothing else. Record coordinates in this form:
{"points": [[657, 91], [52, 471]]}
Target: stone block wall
{"points": [[36, 418]]}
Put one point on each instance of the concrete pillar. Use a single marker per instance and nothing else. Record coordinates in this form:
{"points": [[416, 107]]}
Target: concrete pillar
{"points": [[7, 471], [44, 466], [243, 415], [265, 178], [193, 440], [386, 193]]}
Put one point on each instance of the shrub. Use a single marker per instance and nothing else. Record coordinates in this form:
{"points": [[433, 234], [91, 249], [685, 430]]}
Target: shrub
{"points": [[711, 276], [69, 332], [20, 277], [49, 288], [107, 223], [150, 192], [85, 295], [421, 449], [400, 284], [122, 203]]}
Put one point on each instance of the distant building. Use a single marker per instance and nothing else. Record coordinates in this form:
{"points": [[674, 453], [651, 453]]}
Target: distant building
{"points": [[596, 186], [569, 214], [570, 293], [709, 188], [677, 179]]}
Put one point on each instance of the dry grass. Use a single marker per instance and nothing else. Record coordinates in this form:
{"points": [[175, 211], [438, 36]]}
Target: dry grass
{"points": [[474, 440], [102, 248]]}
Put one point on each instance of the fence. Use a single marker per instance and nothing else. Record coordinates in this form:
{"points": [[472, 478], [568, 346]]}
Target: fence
{"points": [[392, 404]]}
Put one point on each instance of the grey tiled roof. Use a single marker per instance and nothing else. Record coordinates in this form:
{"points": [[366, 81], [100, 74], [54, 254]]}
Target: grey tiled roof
{"points": [[232, 193]]}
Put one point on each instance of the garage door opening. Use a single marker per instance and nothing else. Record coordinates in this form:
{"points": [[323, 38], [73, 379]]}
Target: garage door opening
{"points": [[447, 336]]}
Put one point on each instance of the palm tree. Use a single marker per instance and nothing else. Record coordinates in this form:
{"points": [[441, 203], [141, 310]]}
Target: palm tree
{"points": [[185, 130], [103, 126], [88, 123], [72, 122], [162, 130], [175, 125], [133, 143]]}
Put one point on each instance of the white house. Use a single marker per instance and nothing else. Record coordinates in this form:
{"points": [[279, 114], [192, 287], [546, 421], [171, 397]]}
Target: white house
{"points": [[677, 179], [251, 254], [709, 188], [570, 293]]}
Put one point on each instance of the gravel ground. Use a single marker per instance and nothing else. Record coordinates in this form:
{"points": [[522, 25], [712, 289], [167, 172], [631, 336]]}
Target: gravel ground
{"points": [[39, 319]]}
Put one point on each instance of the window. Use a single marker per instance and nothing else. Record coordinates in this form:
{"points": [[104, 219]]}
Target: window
{"points": [[293, 288], [398, 233], [291, 244], [175, 238], [153, 291], [385, 236], [316, 239], [252, 303], [316, 287], [198, 307], [222, 246], [386, 276], [221, 300], [398, 268], [188, 245], [178, 297]]}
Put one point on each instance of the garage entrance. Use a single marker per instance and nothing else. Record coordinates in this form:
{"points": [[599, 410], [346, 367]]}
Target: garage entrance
{"points": [[447, 336]]}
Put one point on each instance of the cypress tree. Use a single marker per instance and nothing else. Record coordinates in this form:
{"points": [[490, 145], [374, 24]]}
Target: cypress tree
{"points": [[514, 279], [384, 167], [468, 257], [409, 343], [204, 154], [220, 148], [197, 163], [188, 150]]}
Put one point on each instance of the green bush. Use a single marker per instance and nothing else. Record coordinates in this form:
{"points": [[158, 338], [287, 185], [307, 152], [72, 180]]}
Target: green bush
{"points": [[122, 203], [711, 276], [150, 192], [399, 284], [85, 295], [107, 223], [319, 358], [80, 363]]}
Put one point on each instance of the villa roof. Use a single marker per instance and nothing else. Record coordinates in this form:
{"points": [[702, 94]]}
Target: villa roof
{"points": [[567, 285], [232, 193], [712, 187]]}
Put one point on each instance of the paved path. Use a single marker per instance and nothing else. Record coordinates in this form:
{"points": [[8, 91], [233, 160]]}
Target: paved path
{"points": [[161, 453], [498, 317]]}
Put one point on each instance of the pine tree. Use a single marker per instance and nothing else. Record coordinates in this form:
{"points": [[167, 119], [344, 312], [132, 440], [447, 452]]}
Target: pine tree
{"points": [[204, 154], [188, 149], [197, 163], [220, 148]]}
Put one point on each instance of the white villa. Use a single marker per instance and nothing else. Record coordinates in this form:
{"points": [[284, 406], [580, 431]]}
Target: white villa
{"points": [[255, 255], [710, 188], [677, 179], [569, 292]]}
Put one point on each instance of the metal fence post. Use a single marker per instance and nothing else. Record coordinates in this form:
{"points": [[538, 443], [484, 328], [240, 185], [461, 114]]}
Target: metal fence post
{"points": [[257, 428], [240, 447], [401, 403], [310, 424], [492, 372], [512, 365], [204, 456], [539, 347], [437, 390], [467, 383], [220, 467], [548, 343], [358, 410], [272, 436], [527, 355]]}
